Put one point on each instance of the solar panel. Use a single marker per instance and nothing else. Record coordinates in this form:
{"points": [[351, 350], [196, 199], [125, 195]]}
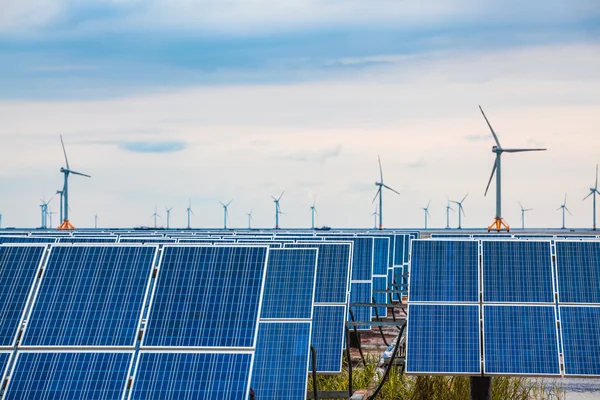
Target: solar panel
{"points": [[578, 269], [144, 240], [400, 249], [380, 283], [580, 327], [189, 375], [281, 360], [360, 292], [91, 239], [4, 360], [444, 271], [290, 284], [517, 271], [327, 337], [210, 241], [26, 239], [207, 296], [520, 339], [381, 248], [90, 295], [443, 339], [362, 256], [333, 270], [18, 270], [69, 375]]}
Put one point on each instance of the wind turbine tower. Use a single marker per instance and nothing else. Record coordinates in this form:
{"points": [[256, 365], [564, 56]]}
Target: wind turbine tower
{"points": [[189, 213], [66, 224], [375, 215], [168, 211], [593, 192], [380, 185], [523, 211], [155, 215], [277, 209], [448, 209], [250, 219], [427, 215], [44, 207], [96, 221], [0, 220], [225, 213], [564, 208], [461, 210], [313, 210], [499, 223], [50, 213], [60, 209]]}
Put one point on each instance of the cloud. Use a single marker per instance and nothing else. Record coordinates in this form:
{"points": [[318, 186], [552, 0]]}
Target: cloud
{"points": [[420, 163], [154, 147], [478, 138], [319, 156]]}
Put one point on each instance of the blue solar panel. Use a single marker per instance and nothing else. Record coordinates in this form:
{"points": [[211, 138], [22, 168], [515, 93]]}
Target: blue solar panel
{"points": [[83, 239], [18, 270], [517, 271], [360, 292], [281, 360], [328, 337], [578, 269], [192, 376], [520, 340], [151, 240], [207, 296], [26, 239], [380, 283], [443, 339], [290, 284], [580, 328], [381, 248], [333, 270], [90, 296], [69, 375], [400, 249], [444, 271], [4, 358], [362, 256]]}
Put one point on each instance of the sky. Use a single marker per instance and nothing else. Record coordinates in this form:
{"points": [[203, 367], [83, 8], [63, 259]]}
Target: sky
{"points": [[164, 101]]}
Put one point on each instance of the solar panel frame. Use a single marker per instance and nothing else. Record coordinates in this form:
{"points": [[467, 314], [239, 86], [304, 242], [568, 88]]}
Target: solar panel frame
{"points": [[361, 292], [21, 353], [151, 304], [31, 291], [586, 351], [585, 289], [528, 340], [334, 349], [5, 358], [30, 315]]}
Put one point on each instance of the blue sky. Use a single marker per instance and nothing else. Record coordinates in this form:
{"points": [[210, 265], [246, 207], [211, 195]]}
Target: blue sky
{"points": [[162, 101]]}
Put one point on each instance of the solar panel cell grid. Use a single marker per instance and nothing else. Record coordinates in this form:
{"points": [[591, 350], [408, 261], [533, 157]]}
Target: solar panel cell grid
{"points": [[90, 296], [520, 340], [580, 327], [443, 339], [444, 271], [327, 337], [517, 271], [290, 283], [361, 293], [578, 269], [207, 296], [191, 376], [18, 269], [69, 375], [381, 247], [380, 283]]}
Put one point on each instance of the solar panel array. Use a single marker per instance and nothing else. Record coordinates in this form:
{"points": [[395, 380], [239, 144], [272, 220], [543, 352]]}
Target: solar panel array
{"points": [[532, 316]]}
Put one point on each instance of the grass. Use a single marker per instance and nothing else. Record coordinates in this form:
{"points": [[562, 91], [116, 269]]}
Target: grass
{"points": [[402, 387]]}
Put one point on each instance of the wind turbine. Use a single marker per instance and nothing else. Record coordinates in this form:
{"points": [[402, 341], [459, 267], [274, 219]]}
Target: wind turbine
{"points": [[375, 215], [96, 221], [168, 211], [277, 209], [44, 207], [564, 207], [523, 211], [460, 209], [50, 213], [593, 192], [448, 209], [155, 215], [225, 213], [379, 193], [313, 210], [0, 220], [66, 171], [189, 212], [60, 192], [499, 223], [426, 209], [250, 219]]}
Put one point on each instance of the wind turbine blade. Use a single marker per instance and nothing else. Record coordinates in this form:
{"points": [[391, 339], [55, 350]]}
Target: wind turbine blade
{"points": [[222, 204], [376, 194], [273, 197], [491, 129], [230, 201], [79, 173], [491, 176], [281, 195], [558, 208], [529, 209], [428, 205], [591, 193], [520, 150], [565, 203], [461, 209], [380, 169], [520, 205], [64, 151], [427, 212], [568, 211], [389, 188], [464, 197], [596, 187]]}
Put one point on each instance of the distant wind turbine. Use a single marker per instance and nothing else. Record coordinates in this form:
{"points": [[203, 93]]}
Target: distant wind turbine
{"points": [[523, 211], [60, 210], [66, 224], [250, 219], [380, 185], [375, 215], [155, 215], [44, 207], [593, 192], [189, 213], [313, 211], [461, 210], [50, 214], [277, 209], [168, 211], [0, 220], [448, 209], [96, 221], [499, 223], [426, 210], [564, 208], [225, 213]]}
